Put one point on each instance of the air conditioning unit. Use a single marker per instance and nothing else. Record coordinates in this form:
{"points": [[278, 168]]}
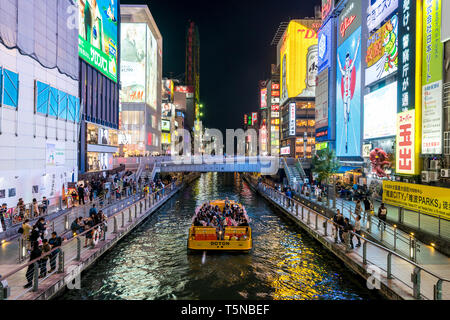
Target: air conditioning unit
{"points": [[434, 176], [425, 176], [435, 165], [445, 173]]}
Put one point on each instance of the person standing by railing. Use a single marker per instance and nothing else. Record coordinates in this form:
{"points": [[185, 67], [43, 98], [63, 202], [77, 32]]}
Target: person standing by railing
{"points": [[34, 208], [54, 242], [347, 232], [382, 215], [26, 232], [3, 211], [35, 253], [43, 262]]}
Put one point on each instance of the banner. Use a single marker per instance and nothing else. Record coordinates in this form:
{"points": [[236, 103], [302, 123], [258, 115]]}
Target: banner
{"points": [[432, 201], [432, 74], [378, 11]]}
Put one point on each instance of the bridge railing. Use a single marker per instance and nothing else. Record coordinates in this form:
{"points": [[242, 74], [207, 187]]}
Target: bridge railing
{"points": [[75, 248], [376, 259]]}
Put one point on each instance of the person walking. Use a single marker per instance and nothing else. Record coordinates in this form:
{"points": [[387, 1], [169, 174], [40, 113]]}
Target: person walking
{"points": [[26, 232], [382, 215], [34, 208], [368, 207], [81, 195], [42, 227], [35, 253], [357, 227], [45, 205]]}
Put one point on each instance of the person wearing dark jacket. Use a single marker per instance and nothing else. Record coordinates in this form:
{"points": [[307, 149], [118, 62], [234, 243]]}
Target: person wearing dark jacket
{"points": [[43, 262], [54, 242], [339, 220], [80, 195], [35, 253], [42, 226], [348, 229]]}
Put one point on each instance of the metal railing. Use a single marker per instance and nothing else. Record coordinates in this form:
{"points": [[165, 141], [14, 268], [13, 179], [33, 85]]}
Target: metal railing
{"points": [[11, 284], [422, 282], [389, 235]]}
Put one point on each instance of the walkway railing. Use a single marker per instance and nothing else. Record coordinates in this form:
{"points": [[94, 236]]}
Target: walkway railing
{"points": [[388, 234], [12, 283], [422, 282]]}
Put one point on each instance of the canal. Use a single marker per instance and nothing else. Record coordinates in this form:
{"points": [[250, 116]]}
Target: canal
{"points": [[285, 263]]}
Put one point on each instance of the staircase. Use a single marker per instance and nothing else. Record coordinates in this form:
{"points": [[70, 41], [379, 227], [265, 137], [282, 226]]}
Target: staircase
{"points": [[293, 174]]}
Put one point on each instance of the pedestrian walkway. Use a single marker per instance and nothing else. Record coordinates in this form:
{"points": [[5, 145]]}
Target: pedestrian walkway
{"points": [[433, 267], [10, 251], [73, 257], [393, 238]]}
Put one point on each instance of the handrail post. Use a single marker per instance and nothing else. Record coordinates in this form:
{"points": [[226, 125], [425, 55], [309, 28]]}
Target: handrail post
{"points": [[389, 265], [66, 222], [365, 252], [78, 248], [135, 214], [36, 277], [130, 219], [61, 261], [296, 209], [140, 207], [5, 290], [115, 224], [438, 290], [415, 279], [123, 219], [325, 228], [347, 242], [381, 234], [395, 238], [303, 216], [369, 221], [21, 249], [317, 221]]}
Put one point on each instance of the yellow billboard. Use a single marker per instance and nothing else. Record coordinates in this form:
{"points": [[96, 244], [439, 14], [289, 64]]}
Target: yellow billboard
{"points": [[299, 59], [432, 201]]}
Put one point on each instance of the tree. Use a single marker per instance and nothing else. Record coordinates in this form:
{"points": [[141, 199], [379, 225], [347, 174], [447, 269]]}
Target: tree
{"points": [[325, 164]]}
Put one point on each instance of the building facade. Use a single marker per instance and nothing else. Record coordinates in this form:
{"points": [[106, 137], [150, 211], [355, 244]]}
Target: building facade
{"points": [[39, 100]]}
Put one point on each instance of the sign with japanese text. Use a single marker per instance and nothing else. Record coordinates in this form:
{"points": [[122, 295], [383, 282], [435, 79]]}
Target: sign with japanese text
{"points": [[349, 20], [432, 75], [254, 118], [264, 98], [378, 11], [432, 201], [292, 119], [407, 48], [405, 150]]}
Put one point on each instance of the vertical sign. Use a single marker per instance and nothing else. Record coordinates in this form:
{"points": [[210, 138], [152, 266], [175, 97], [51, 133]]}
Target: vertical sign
{"points": [[254, 118], [407, 46], [264, 98], [292, 119], [405, 153], [432, 72]]}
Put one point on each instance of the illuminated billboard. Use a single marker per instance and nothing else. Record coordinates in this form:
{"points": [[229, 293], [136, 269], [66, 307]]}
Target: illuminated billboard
{"points": [[322, 100], [348, 100], [432, 76], [264, 98], [324, 46], [152, 70], [382, 52], [299, 59], [378, 11], [254, 118], [167, 91], [405, 151], [166, 138], [165, 125], [380, 119], [166, 110], [98, 33], [132, 62]]}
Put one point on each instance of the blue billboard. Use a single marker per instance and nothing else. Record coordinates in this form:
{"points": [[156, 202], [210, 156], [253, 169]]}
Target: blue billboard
{"points": [[325, 49], [348, 97]]}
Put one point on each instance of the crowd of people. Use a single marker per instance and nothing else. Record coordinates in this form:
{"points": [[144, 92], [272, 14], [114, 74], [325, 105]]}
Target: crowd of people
{"points": [[36, 241], [232, 215]]}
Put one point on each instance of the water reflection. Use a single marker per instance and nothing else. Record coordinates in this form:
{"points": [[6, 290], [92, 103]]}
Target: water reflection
{"points": [[153, 263]]}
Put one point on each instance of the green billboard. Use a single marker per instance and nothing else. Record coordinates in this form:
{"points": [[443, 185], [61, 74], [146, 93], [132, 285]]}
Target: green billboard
{"points": [[97, 39]]}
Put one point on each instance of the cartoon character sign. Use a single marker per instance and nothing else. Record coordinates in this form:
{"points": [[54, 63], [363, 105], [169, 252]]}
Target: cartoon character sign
{"points": [[390, 45], [380, 162]]}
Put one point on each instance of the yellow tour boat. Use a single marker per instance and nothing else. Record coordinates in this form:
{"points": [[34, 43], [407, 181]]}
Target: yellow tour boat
{"points": [[228, 238]]}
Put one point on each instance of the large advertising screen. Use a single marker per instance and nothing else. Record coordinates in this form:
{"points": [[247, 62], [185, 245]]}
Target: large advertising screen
{"points": [[382, 52], [348, 100], [380, 118], [167, 90], [97, 39], [264, 98], [152, 70], [378, 11], [322, 100], [299, 59], [432, 73], [405, 148], [132, 64]]}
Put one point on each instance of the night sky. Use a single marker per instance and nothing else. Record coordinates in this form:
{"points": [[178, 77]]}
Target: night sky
{"points": [[235, 50]]}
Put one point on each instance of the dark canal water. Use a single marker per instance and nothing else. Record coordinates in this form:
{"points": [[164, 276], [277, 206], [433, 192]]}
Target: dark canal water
{"points": [[285, 263]]}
